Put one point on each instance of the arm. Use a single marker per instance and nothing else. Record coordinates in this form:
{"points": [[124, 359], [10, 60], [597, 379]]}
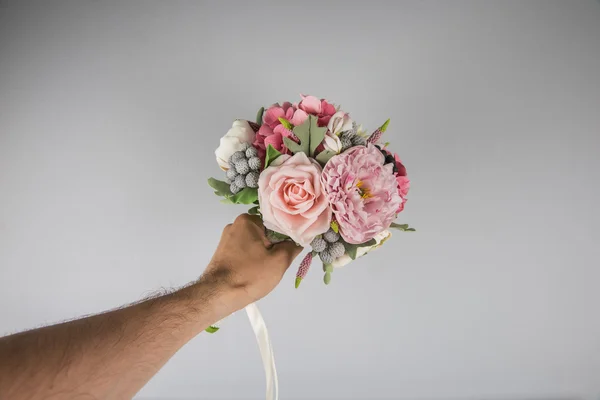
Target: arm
{"points": [[114, 354]]}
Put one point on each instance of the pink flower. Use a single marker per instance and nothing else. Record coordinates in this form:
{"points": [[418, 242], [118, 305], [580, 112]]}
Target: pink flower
{"points": [[362, 191], [292, 200], [272, 131], [321, 108], [401, 178], [402, 181]]}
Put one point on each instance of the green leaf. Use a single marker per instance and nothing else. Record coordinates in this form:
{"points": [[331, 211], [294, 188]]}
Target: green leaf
{"points": [[351, 250], [272, 154], [325, 156], [221, 188], [212, 329], [369, 243], [310, 135], [327, 267], [286, 124], [245, 196], [254, 211], [327, 278], [259, 116], [297, 283], [402, 227], [272, 235]]}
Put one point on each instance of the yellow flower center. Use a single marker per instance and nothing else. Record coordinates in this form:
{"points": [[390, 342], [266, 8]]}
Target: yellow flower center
{"points": [[365, 193]]}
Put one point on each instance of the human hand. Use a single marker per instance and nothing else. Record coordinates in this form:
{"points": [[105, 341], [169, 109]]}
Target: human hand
{"points": [[247, 263]]}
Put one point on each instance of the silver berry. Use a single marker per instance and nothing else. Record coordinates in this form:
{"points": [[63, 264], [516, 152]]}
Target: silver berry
{"points": [[336, 249], [235, 157], [234, 188], [326, 257], [245, 146], [251, 152], [242, 167], [240, 181], [231, 173], [331, 236], [254, 163], [252, 179], [318, 244]]}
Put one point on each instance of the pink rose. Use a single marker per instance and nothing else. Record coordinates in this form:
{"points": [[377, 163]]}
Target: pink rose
{"points": [[292, 200], [272, 131], [362, 191], [321, 108]]}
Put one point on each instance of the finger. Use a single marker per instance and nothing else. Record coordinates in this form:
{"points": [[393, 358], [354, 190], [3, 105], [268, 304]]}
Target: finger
{"points": [[288, 250]]}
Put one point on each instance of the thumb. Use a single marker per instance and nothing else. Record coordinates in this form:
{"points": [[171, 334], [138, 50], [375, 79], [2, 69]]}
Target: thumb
{"points": [[287, 249]]}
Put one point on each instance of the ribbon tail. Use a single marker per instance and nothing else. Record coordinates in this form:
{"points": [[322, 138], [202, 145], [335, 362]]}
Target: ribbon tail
{"points": [[266, 350]]}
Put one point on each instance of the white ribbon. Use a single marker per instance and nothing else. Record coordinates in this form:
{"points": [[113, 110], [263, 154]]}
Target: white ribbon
{"points": [[266, 350]]}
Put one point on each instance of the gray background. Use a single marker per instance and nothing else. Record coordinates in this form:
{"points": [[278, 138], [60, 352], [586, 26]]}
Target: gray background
{"points": [[109, 116]]}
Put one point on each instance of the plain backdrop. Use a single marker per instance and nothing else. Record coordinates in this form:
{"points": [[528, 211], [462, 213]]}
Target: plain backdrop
{"points": [[110, 112]]}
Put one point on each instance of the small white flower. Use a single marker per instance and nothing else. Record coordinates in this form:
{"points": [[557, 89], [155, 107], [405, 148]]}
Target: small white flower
{"points": [[234, 140], [339, 122], [361, 251], [332, 142]]}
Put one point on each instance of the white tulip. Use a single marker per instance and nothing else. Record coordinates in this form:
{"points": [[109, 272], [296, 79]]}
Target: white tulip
{"points": [[339, 122], [234, 140], [332, 142], [361, 251]]}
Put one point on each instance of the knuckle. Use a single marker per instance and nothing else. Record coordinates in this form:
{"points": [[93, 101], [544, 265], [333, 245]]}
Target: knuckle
{"points": [[243, 218]]}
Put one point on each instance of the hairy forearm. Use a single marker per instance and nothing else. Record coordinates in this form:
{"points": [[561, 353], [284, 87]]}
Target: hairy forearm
{"points": [[110, 355]]}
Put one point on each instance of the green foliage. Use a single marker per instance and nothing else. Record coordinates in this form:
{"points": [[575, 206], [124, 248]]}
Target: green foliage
{"points": [[310, 135], [352, 249], [245, 196], [325, 156], [276, 235], [402, 227], [327, 278], [297, 283], [259, 116], [272, 154], [254, 211], [221, 188], [211, 329]]}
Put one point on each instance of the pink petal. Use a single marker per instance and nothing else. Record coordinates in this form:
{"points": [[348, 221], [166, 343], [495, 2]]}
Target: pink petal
{"points": [[311, 105], [272, 115], [299, 117]]}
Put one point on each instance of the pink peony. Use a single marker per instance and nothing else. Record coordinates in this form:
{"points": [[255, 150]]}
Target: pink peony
{"points": [[321, 108], [362, 191], [272, 131], [292, 200]]}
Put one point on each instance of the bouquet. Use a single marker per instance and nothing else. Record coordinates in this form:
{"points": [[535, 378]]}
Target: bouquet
{"points": [[316, 177]]}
